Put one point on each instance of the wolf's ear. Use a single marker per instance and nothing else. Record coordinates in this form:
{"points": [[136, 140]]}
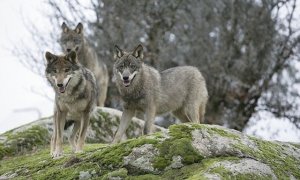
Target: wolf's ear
{"points": [[64, 27], [72, 57], [50, 57], [79, 28], [118, 52], [138, 52]]}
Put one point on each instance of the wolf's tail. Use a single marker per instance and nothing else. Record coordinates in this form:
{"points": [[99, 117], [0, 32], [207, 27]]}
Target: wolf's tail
{"points": [[68, 124]]}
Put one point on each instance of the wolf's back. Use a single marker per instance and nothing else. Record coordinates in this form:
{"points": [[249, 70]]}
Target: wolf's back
{"points": [[181, 84]]}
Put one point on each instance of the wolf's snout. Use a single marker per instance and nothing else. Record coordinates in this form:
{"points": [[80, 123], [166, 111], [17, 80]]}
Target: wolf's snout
{"points": [[60, 85], [68, 50], [125, 78]]}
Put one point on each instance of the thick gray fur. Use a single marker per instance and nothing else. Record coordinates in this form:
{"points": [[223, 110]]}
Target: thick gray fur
{"points": [[76, 94], [75, 40], [180, 90]]}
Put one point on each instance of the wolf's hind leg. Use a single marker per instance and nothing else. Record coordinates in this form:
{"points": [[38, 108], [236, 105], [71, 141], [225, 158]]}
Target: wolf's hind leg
{"points": [[181, 115], [192, 112], [202, 113], [103, 92]]}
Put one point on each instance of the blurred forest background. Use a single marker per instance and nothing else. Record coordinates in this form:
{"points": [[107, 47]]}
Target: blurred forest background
{"points": [[247, 50]]}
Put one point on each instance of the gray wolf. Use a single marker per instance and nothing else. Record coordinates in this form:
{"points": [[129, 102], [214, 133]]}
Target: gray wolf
{"points": [[75, 99], [180, 90], [75, 40]]}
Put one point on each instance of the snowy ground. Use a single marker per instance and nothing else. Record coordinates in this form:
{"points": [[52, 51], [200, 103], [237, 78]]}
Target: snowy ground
{"points": [[20, 99]]}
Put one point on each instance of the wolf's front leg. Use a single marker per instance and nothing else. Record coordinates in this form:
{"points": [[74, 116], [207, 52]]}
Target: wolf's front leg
{"points": [[72, 138], [127, 115], [149, 119], [84, 124], [53, 139], [59, 128]]}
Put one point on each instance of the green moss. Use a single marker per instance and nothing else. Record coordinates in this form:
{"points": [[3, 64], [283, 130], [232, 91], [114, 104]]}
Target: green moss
{"points": [[106, 161], [40, 165], [4, 151], [215, 130], [158, 135], [179, 131], [226, 174], [102, 121], [223, 133], [270, 153], [112, 156], [121, 173], [295, 145], [179, 144], [145, 177], [23, 141]]}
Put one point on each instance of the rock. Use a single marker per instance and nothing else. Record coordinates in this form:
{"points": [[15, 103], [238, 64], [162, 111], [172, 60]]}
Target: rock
{"points": [[184, 151], [38, 133], [245, 166], [83, 175], [141, 158]]}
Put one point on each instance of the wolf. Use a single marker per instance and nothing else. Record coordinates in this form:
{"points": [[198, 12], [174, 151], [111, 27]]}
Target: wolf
{"points": [[180, 90], [75, 40], [76, 94]]}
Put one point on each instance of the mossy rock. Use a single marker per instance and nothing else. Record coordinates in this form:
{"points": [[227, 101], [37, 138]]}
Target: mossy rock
{"points": [[185, 151], [38, 133]]}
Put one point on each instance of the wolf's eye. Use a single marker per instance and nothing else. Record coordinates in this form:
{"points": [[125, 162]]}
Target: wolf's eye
{"points": [[76, 41], [67, 70], [121, 67]]}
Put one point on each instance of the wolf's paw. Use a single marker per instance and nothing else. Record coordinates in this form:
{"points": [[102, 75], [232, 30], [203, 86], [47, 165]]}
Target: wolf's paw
{"points": [[56, 154]]}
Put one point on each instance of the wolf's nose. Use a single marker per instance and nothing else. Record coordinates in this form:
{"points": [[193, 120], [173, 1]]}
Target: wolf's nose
{"points": [[59, 85], [68, 50], [125, 78]]}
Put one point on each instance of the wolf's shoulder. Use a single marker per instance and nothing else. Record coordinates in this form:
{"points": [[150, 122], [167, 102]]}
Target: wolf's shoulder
{"points": [[88, 74], [150, 69]]}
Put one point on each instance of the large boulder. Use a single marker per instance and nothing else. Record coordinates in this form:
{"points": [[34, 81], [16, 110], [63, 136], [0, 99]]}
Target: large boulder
{"points": [[184, 151], [103, 126]]}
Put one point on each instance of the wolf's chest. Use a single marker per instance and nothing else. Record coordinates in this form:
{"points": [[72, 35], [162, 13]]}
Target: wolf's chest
{"points": [[73, 107], [140, 104]]}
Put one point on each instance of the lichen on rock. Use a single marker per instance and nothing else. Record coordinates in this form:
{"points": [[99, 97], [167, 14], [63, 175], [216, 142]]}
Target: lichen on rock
{"points": [[184, 151]]}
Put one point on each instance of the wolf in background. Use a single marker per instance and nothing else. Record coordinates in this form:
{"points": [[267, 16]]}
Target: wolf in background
{"points": [[75, 99], [181, 90], [75, 40]]}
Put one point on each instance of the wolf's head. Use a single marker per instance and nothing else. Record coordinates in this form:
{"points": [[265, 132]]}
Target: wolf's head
{"points": [[61, 69], [127, 64], [71, 40]]}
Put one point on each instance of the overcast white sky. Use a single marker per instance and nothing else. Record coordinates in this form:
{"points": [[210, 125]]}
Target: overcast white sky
{"points": [[19, 105]]}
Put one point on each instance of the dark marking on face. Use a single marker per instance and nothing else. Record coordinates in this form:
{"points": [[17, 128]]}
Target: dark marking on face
{"points": [[129, 62], [76, 87], [61, 65]]}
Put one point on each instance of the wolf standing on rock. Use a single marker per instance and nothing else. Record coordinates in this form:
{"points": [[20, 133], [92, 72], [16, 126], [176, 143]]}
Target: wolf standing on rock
{"points": [[181, 90], [75, 98], [75, 40]]}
